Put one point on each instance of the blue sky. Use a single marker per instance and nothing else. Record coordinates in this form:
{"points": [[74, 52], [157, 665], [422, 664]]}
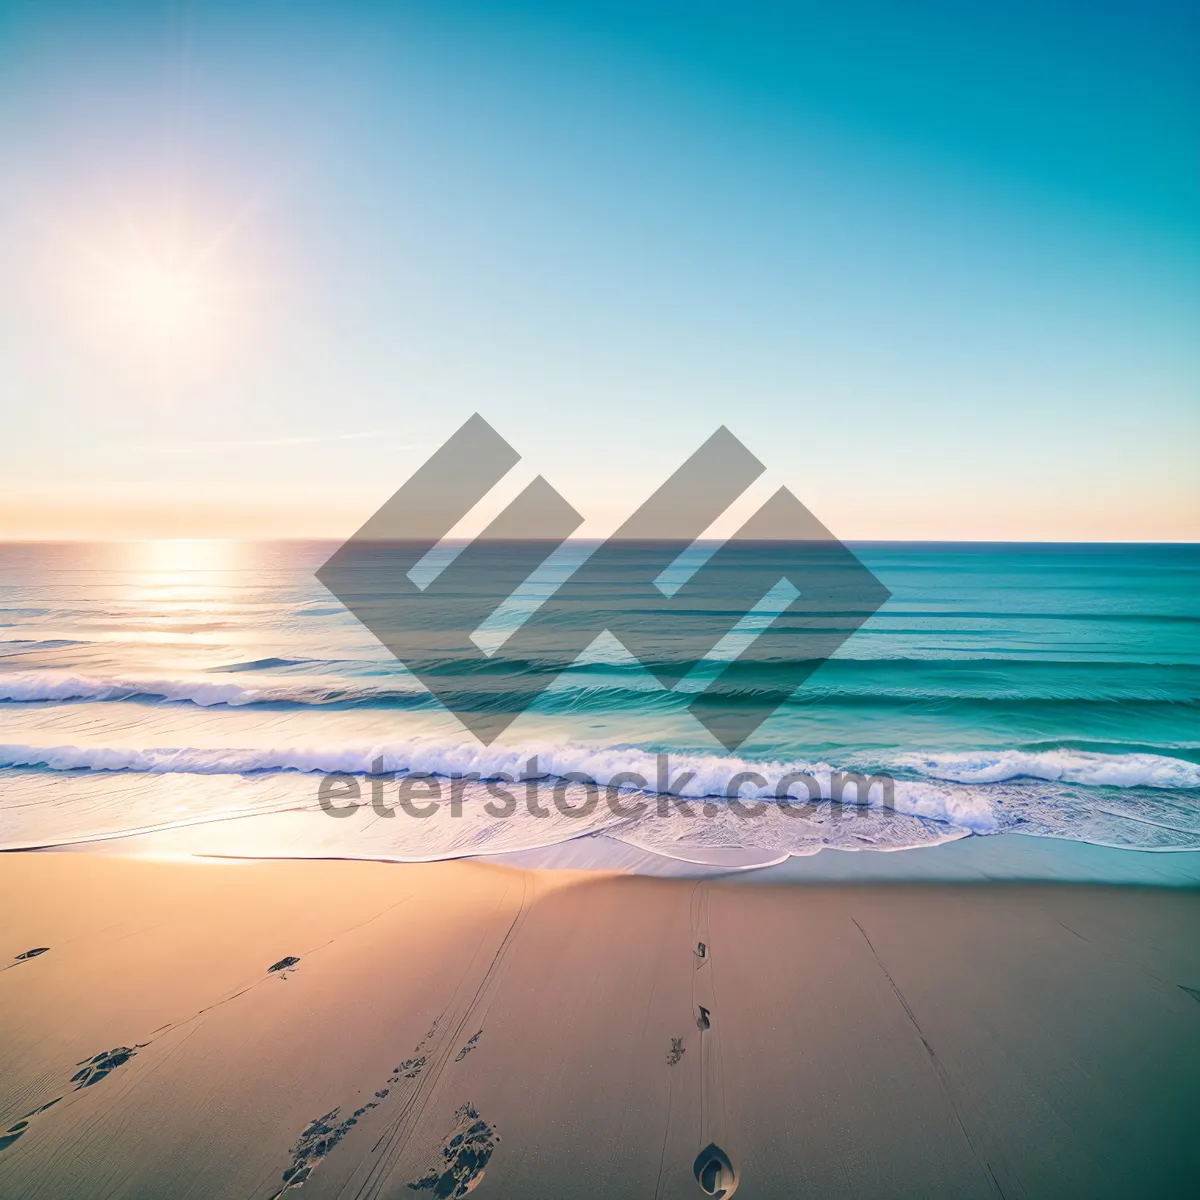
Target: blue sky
{"points": [[935, 263]]}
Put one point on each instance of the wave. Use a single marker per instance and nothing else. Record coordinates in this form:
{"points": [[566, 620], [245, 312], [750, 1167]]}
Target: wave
{"points": [[1066, 766], [28, 645], [62, 686], [265, 664], [579, 687], [686, 776], [1136, 800]]}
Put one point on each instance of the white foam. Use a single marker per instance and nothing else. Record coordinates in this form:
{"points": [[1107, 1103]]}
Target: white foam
{"points": [[56, 685], [687, 776], [36, 686], [1067, 766]]}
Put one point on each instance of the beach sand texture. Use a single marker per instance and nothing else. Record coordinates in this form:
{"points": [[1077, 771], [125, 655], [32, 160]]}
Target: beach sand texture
{"points": [[454, 1027]]}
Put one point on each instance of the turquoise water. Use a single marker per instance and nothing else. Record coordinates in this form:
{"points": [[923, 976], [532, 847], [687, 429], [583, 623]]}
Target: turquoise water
{"points": [[206, 687]]}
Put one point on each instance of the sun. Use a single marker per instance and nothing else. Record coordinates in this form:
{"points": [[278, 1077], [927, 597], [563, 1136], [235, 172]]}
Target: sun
{"points": [[162, 291], [164, 305]]}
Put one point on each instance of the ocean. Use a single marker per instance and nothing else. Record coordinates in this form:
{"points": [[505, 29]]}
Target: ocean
{"points": [[198, 695]]}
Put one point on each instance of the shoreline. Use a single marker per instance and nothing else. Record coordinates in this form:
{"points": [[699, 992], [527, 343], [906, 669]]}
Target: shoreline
{"points": [[992, 858], [878, 1040]]}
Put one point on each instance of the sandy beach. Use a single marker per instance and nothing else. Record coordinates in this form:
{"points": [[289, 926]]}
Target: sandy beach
{"points": [[456, 1025]]}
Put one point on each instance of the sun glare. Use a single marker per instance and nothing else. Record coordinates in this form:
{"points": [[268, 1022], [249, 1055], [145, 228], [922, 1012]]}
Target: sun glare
{"points": [[162, 304], [166, 295]]}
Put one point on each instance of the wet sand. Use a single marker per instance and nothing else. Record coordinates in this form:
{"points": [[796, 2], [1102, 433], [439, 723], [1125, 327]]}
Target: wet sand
{"points": [[350, 1029]]}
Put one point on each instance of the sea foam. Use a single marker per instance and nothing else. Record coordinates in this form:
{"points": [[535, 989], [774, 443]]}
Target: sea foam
{"points": [[1069, 766], [688, 776]]}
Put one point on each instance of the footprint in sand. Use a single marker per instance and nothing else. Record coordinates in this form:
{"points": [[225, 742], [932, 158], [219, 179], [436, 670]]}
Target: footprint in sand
{"points": [[25, 956], [92, 1070], [714, 1172], [98, 1067], [324, 1133], [471, 1044], [676, 1052], [17, 1130], [410, 1068], [315, 1142], [465, 1155]]}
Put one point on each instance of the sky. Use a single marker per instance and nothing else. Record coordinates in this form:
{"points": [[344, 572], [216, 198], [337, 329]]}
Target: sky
{"points": [[934, 263]]}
